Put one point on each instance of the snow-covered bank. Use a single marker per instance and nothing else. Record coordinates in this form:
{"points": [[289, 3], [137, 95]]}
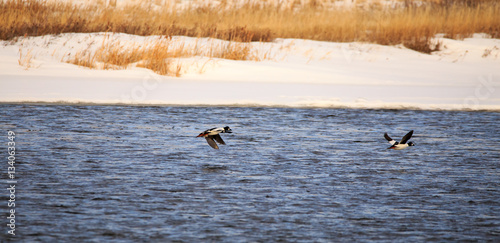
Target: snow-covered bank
{"points": [[465, 75]]}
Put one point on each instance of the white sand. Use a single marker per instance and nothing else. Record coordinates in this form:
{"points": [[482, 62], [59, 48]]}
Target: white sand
{"points": [[465, 75]]}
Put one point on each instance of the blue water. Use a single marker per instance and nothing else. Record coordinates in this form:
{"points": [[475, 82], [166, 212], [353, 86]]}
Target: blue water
{"points": [[140, 174]]}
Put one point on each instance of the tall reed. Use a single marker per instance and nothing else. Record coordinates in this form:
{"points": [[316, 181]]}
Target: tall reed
{"points": [[413, 25]]}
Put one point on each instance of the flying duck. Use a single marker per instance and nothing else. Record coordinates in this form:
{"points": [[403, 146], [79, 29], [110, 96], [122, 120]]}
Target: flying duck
{"points": [[212, 135], [402, 144]]}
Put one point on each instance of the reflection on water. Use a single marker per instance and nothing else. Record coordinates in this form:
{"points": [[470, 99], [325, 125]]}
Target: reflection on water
{"points": [[100, 173]]}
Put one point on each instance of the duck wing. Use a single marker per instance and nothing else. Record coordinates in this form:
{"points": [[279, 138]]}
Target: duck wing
{"points": [[391, 141], [406, 137], [218, 138], [211, 142]]}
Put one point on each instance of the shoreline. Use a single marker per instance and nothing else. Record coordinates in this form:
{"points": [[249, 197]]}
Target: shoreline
{"points": [[236, 105], [305, 74]]}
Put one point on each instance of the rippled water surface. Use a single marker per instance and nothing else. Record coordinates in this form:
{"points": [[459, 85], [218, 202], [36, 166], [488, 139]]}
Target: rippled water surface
{"points": [[140, 174]]}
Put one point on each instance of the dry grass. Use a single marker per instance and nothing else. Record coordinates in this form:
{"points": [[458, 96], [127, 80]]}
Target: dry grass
{"points": [[25, 59], [158, 54], [413, 25]]}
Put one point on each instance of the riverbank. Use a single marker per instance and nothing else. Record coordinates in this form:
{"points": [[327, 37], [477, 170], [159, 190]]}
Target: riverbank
{"points": [[464, 75]]}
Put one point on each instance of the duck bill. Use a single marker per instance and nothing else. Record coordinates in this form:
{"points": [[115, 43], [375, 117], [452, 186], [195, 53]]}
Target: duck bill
{"points": [[200, 135]]}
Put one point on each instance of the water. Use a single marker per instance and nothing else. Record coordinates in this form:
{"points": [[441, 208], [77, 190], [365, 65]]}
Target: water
{"points": [[139, 174]]}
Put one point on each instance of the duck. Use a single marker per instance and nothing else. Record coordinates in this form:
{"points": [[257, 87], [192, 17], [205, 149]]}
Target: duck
{"points": [[212, 135], [402, 144]]}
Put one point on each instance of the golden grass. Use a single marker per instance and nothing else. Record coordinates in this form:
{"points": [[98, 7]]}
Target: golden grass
{"points": [[158, 54], [413, 25], [25, 59]]}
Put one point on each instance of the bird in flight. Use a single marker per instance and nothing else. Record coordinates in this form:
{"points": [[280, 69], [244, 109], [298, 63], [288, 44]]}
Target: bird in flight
{"points": [[402, 144], [212, 135]]}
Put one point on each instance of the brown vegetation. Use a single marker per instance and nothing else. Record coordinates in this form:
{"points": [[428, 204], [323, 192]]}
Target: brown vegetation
{"points": [[413, 25], [157, 54]]}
